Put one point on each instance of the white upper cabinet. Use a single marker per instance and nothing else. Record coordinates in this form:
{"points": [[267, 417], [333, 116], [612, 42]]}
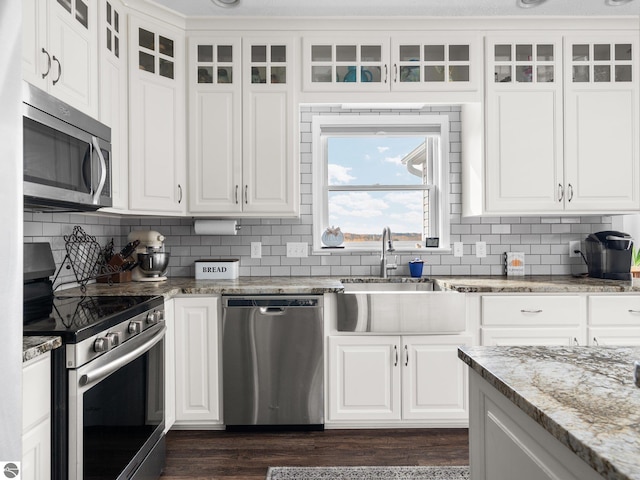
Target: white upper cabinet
{"points": [[602, 143], [215, 124], [420, 62], [60, 50], [562, 124], [524, 166], [270, 167], [157, 148], [243, 127], [112, 23]]}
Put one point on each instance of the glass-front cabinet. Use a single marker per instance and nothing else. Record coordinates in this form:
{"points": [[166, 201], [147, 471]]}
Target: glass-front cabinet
{"points": [[601, 94], [524, 129], [413, 63]]}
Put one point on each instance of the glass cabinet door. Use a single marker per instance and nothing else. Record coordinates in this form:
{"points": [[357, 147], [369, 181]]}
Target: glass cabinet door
{"points": [[524, 62], [214, 63], [348, 64], [156, 54], [268, 64], [603, 62]]}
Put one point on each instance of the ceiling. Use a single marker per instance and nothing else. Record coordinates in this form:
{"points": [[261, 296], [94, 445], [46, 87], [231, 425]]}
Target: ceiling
{"points": [[400, 8]]}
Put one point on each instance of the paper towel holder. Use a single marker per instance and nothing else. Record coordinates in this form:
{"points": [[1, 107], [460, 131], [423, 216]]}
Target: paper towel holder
{"points": [[216, 227]]}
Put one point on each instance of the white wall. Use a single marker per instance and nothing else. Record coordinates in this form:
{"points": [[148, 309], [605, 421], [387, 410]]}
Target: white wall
{"points": [[11, 237]]}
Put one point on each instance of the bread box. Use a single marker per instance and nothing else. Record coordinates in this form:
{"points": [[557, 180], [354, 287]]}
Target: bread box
{"points": [[217, 269]]}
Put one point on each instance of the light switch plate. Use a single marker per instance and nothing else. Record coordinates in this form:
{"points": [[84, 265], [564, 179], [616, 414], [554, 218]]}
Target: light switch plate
{"points": [[481, 249], [458, 249], [297, 249], [256, 249]]}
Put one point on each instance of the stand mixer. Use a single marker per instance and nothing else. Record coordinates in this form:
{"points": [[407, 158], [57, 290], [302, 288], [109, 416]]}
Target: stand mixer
{"points": [[149, 255]]}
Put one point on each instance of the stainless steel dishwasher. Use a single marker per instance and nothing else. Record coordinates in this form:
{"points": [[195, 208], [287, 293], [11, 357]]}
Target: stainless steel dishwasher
{"points": [[273, 367]]}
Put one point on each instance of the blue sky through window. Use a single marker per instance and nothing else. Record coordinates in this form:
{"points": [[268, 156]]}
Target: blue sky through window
{"points": [[357, 161]]}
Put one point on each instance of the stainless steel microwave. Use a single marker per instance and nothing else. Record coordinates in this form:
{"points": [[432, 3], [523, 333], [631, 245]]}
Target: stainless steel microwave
{"points": [[67, 155]]}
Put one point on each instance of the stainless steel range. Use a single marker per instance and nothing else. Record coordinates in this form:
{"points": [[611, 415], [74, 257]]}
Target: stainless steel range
{"points": [[107, 379]]}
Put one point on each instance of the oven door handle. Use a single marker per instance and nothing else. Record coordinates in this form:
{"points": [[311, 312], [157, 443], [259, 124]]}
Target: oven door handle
{"points": [[101, 372]]}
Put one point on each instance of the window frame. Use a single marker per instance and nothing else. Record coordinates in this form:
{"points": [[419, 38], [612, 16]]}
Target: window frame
{"points": [[428, 124]]}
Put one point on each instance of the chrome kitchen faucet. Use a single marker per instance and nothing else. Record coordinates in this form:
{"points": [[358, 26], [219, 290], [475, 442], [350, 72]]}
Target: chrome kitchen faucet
{"points": [[384, 267]]}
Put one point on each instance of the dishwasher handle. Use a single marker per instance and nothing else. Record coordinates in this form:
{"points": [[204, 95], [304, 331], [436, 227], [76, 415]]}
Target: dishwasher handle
{"points": [[272, 311]]}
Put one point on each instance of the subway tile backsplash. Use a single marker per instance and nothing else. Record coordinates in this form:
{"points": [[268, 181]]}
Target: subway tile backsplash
{"points": [[544, 240]]}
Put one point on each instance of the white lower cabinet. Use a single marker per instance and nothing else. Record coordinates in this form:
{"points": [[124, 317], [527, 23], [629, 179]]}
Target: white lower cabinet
{"points": [[36, 418], [614, 320], [197, 362], [383, 379], [533, 320]]}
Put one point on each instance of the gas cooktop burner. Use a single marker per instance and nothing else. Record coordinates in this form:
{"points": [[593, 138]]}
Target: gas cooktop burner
{"points": [[77, 318]]}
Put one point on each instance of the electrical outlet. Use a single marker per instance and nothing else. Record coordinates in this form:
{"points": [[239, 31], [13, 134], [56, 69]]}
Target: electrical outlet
{"points": [[573, 246], [297, 249], [481, 249], [458, 249], [256, 249]]}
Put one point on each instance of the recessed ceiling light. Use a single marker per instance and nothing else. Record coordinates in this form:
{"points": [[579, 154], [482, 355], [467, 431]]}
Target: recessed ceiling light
{"points": [[615, 3], [226, 3], [530, 3]]}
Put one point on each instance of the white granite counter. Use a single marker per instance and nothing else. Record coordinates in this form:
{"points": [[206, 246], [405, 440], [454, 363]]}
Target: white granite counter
{"points": [[319, 285], [33, 347], [583, 396]]}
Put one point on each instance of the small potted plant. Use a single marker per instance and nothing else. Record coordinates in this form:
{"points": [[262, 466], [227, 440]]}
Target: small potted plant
{"points": [[635, 264]]}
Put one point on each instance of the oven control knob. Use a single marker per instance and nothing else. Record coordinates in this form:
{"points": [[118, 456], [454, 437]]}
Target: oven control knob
{"points": [[160, 315], [135, 327], [101, 344], [152, 317], [113, 339]]}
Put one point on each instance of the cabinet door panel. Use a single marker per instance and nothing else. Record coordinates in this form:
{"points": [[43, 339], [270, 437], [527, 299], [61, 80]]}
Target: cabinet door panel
{"points": [[268, 156], [602, 150], [364, 379], [197, 361], [216, 181], [434, 380], [34, 39], [524, 168], [530, 336]]}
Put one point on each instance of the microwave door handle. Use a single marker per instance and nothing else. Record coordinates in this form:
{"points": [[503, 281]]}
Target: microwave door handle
{"points": [[103, 171]]}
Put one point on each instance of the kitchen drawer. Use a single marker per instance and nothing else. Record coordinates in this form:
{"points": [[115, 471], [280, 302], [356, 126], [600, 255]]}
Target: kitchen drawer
{"points": [[36, 390], [535, 310], [614, 310], [530, 336]]}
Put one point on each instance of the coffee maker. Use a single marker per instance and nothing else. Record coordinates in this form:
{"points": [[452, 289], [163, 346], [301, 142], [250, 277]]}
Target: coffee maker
{"points": [[609, 255]]}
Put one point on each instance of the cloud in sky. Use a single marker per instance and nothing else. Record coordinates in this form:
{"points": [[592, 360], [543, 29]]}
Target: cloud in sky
{"points": [[339, 175], [356, 204], [382, 149], [397, 160]]}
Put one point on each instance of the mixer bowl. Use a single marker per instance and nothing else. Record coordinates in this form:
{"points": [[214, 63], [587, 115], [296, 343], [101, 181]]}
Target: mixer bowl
{"points": [[153, 264]]}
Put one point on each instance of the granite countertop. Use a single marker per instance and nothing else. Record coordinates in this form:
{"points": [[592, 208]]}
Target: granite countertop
{"points": [[33, 347], [319, 285], [533, 284], [583, 396]]}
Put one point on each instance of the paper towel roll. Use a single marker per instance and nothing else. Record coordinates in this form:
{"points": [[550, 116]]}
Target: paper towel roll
{"points": [[216, 227]]}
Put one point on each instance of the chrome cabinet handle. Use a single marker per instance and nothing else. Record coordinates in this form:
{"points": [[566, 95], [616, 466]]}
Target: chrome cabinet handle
{"points": [[386, 73], [570, 192], [633, 311], [595, 342], [531, 311], [575, 341], [179, 193], [59, 70], [395, 73], [236, 194], [406, 356], [560, 192], [48, 63], [395, 349], [246, 194]]}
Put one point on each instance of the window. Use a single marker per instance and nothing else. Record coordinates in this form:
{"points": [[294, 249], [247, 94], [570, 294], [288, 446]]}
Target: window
{"points": [[376, 171]]}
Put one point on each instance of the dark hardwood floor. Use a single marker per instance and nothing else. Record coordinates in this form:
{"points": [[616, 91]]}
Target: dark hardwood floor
{"points": [[239, 455]]}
